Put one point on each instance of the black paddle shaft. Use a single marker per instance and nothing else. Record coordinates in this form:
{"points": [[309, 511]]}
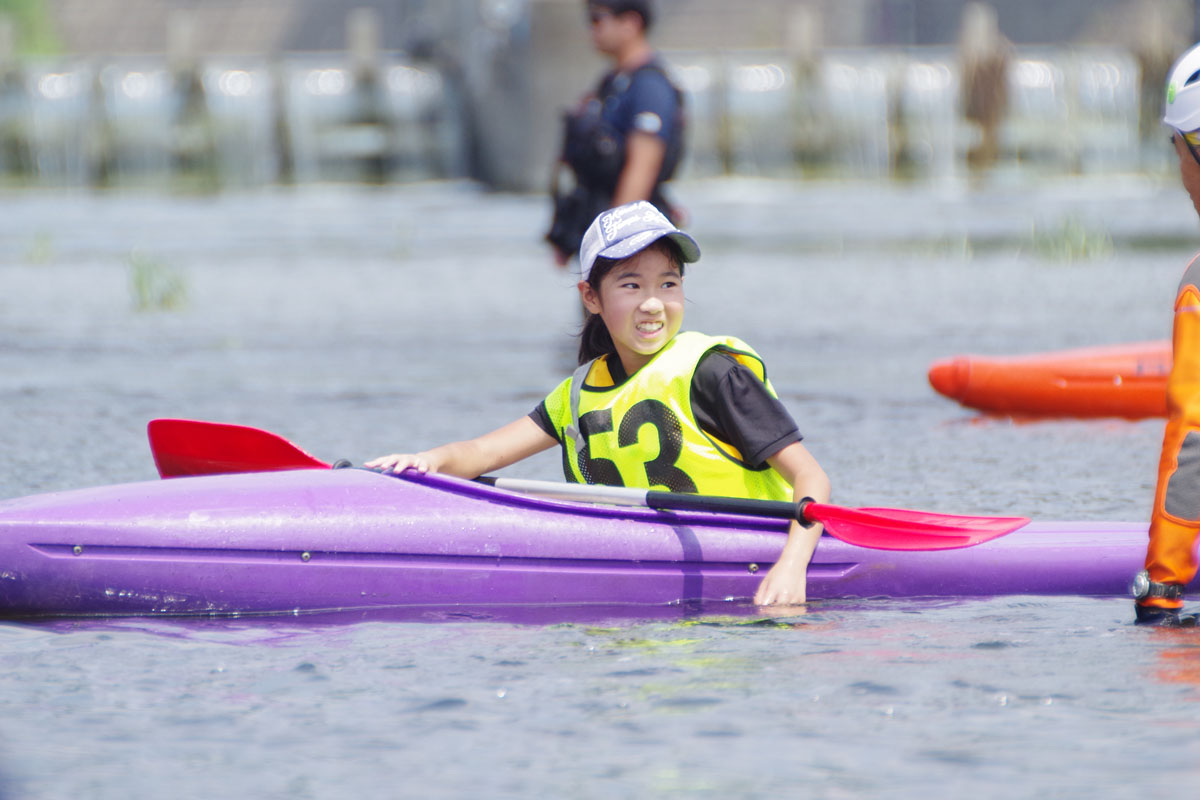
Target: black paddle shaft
{"points": [[779, 509], [662, 501]]}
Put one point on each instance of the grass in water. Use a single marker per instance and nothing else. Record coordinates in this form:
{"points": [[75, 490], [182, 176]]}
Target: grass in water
{"points": [[1072, 241], [41, 250], [155, 286]]}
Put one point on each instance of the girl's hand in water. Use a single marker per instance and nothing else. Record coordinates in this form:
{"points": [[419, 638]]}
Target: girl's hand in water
{"points": [[398, 462], [785, 583]]}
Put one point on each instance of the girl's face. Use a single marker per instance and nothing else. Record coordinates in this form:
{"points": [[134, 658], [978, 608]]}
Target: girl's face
{"points": [[641, 303]]}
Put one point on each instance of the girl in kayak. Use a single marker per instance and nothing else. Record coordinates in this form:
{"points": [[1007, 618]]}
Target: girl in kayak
{"points": [[651, 407]]}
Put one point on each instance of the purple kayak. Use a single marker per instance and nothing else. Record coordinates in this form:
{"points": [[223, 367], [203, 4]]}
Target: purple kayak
{"points": [[326, 540]]}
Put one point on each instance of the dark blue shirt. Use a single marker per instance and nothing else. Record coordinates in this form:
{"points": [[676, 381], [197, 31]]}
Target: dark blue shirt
{"points": [[643, 100]]}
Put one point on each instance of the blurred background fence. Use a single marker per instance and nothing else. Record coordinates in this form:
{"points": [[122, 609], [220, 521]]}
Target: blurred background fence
{"points": [[243, 93]]}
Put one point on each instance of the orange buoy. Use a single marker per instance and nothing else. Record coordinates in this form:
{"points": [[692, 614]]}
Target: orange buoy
{"points": [[1127, 380]]}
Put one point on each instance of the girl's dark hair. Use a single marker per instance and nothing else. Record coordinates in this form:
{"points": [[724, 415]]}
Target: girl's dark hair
{"points": [[594, 339]]}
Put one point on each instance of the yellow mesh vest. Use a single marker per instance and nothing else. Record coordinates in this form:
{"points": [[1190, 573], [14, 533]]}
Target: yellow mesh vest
{"points": [[643, 433]]}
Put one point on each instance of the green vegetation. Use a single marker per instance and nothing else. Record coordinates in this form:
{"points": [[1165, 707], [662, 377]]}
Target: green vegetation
{"points": [[1072, 241], [36, 32], [41, 250], [155, 286]]}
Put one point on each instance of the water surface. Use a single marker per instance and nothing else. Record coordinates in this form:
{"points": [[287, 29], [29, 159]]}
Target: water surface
{"points": [[357, 322]]}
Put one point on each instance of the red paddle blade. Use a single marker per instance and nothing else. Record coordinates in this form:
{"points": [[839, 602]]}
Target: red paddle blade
{"points": [[902, 529], [193, 447]]}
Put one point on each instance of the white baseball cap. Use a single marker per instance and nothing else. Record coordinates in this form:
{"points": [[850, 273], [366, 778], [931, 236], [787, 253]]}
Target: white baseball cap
{"points": [[622, 231]]}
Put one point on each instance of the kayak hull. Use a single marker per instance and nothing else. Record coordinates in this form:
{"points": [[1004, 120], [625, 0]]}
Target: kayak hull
{"points": [[1127, 380], [322, 540]]}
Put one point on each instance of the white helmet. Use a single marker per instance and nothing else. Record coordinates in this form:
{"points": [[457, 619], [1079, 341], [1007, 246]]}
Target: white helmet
{"points": [[1183, 92]]}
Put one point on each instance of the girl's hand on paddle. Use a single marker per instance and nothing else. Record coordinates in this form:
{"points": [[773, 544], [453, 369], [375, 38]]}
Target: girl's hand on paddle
{"points": [[398, 462]]}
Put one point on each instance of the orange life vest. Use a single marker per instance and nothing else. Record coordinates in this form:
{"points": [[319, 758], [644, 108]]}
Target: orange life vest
{"points": [[1175, 520]]}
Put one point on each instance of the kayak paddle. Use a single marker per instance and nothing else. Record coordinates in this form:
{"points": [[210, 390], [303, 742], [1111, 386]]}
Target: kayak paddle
{"points": [[877, 528], [194, 447]]}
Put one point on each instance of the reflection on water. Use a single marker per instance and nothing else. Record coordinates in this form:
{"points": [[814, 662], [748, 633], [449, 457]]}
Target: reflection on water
{"points": [[1179, 660], [880, 699]]}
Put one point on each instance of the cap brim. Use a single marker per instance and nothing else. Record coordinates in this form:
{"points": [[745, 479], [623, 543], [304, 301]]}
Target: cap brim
{"points": [[638, 242]]}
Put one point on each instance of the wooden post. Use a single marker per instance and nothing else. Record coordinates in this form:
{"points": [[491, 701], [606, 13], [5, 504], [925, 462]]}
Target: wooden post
{"points": [[983, 57], [363, 44], [804, 40], [193, 138], [16, 150]]}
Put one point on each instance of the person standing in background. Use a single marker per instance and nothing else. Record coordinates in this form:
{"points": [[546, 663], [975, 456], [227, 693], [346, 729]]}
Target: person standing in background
{"points": [[1175, 520], [625, 139]]}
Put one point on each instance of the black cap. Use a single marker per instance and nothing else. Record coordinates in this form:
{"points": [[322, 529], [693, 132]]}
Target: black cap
{"points": [[640, 7]]}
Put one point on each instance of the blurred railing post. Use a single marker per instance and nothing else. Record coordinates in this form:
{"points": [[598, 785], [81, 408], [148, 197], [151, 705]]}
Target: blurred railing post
{"points": [[193, 146], [983, 62], [281, 128], [804, 43], [100, 159], [16, 155], [367, 116], [1156, 48]]}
